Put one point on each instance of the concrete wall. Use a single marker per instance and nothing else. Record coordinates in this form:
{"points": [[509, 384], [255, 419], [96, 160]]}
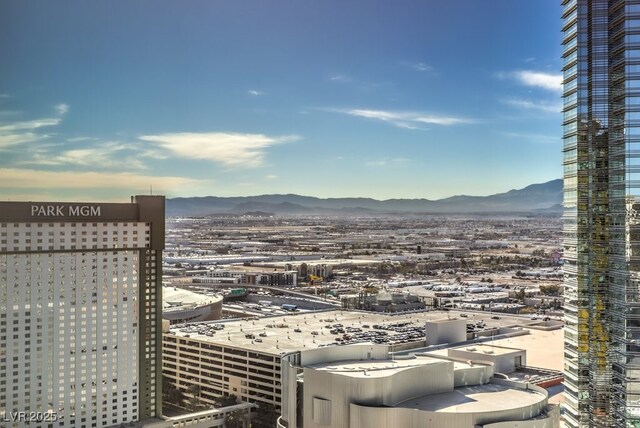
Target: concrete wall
{"points": [[446, 331], [551, 421], [288, 378], [503, 362], [205, 419], [291, 363], [341, 390], [381, 417], [399, 347], [344, 353], [477, 375]]}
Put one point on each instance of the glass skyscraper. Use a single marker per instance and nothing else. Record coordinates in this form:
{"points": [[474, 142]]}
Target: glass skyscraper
{"points": [[601, 118]]}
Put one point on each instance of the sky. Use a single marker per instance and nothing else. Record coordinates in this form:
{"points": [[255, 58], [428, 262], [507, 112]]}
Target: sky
{"points": [[332, 98]]}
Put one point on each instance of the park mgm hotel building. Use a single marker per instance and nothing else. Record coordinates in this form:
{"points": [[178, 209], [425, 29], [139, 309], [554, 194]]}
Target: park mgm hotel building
{"points": [[80, 312]]}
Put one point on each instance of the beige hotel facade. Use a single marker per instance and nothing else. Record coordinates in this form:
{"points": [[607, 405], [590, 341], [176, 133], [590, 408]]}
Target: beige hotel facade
{"points": [[80, 312]]}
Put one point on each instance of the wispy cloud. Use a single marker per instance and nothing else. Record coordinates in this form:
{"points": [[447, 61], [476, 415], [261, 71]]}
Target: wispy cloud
{"points": [[62, 109], [386, 162], [230, 149], [20, 132], [255, 93], [545, 106], [271, 176], [538, 79], [37, 179], [418, 66], [99, 156], [549, 81], [421, 66], [357, 84], [29, 125], [13, 139], [79, 139], [534, 138], [15, 133], [340, 78], [404, 119]]}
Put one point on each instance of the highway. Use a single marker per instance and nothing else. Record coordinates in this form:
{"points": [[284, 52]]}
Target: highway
{"points": [[279, 290]]}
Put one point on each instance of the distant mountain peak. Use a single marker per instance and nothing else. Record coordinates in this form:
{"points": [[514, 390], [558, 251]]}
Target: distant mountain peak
{"points": [[534, 198]]}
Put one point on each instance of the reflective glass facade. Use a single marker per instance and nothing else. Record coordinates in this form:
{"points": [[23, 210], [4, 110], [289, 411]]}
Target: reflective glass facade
{"points": [[602, 212]]}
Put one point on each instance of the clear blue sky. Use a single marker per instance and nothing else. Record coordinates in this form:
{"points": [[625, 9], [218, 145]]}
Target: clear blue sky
{"points": [[331, 98]]}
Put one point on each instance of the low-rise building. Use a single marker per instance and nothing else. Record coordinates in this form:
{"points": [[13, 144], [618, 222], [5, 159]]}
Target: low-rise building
{"points": [[364, 386], [445, 331], [242, 357], [270, 278], [183, 306]]}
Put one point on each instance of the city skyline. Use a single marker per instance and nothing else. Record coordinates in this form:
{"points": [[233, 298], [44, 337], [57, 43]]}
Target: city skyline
{"points": [[381, 100]]}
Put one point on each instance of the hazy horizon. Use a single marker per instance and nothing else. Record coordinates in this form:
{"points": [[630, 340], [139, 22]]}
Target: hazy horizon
{"points": [[151, 191]]}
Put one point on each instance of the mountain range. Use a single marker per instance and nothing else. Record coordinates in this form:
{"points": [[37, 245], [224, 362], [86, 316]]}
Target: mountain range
{"points": [[535, 198]]}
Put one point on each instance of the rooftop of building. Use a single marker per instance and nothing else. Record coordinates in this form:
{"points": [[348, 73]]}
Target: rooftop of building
{"points": [[373, 368], [478, 398], [484, 348], [174, 298], [298, 331], [332, 262], [446, 320], [544, 348]]}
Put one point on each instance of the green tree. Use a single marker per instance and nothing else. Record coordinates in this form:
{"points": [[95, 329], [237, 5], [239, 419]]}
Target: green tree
{"points": [[166, 385], [175, 396], [266, 416], [194, 403], [550, 290], [371, 289], [170, 393], [235, 419], [225, 400]]}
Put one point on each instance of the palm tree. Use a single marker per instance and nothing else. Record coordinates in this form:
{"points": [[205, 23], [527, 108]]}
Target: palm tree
{"points": [[235, 419], [194, 401], [266, 416]]}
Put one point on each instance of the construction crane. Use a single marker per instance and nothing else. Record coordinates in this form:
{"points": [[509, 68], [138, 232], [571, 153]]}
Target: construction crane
{"points": [[313, 279]]}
